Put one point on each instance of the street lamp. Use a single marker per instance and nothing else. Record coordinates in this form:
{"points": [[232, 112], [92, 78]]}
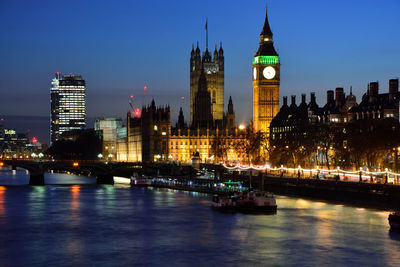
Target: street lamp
{"points": [[100, 156]]}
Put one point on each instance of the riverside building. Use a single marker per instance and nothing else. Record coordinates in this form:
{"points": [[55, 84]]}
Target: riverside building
{"points": [[211, 132], [68, 104]]}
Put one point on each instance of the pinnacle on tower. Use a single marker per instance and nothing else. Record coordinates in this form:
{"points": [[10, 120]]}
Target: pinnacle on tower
{"points": [[266, 47], [192, 52], [230, 106], [266, 31], [202, 80]]}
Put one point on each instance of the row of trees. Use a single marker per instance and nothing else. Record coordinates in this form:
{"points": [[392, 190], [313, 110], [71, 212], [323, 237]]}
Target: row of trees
{"points": [[85, 145], [249, 146], [362, 143], [370, 143]]}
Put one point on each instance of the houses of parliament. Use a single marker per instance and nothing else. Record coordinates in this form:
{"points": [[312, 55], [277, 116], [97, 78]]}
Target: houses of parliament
{"points": [[211, 132]]}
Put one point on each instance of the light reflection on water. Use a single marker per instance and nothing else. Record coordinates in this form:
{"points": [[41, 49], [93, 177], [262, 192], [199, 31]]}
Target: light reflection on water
{"points": [[118, 225]]}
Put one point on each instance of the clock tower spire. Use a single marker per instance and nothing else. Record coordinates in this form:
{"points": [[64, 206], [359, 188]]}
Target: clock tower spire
{"points": [[266, 81]]}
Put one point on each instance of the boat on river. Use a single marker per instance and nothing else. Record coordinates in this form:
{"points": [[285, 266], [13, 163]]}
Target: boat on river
{"points": [[256, 202], [138, 180], [225, 204], [394, 221], [251, 202]]}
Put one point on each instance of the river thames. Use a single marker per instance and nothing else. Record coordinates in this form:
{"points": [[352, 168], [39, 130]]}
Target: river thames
{"points": [[103, 225]]}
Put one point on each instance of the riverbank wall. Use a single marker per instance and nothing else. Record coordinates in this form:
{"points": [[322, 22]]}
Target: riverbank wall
{"points": [[382, 196]]}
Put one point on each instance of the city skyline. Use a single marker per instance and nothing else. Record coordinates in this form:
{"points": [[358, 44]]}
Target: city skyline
{"points": [[147, 47]]}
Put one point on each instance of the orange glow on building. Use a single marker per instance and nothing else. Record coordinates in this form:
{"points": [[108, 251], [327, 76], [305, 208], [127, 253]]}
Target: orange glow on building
{"points": [[75, 164]]}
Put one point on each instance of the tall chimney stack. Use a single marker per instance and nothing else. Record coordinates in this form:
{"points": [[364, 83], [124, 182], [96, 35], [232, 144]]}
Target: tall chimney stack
{"points": [[293, 101], [339, 96], [312, 97], [285, 101], [373, 91], [330, 96], [303, 98], [393, 88]]}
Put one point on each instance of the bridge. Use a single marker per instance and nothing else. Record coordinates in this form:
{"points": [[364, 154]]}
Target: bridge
{"points": [[37, 169], [103, 171]]}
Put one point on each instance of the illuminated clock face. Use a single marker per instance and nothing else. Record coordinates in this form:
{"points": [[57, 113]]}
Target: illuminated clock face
{"points": [[269, 73], [254, 73]]}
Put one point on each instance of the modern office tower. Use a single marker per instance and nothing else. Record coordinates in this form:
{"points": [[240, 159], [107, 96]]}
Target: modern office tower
{"points": [[68, 105], [266, 81], [107, 129]]}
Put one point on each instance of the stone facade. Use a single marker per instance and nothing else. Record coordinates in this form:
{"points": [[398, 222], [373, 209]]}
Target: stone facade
{"points": [[266, 81], [214, 70]]}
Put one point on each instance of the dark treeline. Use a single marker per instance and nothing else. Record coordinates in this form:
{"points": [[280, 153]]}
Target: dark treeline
{"points": [[370, 143], [84, 144]]}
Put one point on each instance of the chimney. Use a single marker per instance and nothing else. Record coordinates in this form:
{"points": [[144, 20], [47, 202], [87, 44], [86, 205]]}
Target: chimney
{"points": [[303, 98], [312, 97], [339, 96], [330, 96], [393, 86], [285, 101], [373, 91], [293, 101], [373, 88]]}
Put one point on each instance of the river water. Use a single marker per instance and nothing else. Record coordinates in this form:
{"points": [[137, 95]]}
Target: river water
{"points": [[103, 225]]}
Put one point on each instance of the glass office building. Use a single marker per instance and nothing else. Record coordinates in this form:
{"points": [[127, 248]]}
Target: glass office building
{"points": [[68, 105]]}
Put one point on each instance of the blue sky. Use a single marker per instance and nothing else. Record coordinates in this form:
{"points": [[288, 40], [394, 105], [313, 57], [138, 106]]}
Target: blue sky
{"points": [[121, 46]]}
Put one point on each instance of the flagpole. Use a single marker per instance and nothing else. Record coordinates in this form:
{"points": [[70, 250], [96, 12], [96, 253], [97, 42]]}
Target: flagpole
{"points": [[206, 33]]}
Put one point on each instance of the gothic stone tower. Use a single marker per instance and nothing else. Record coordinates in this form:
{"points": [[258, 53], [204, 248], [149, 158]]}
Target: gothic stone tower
{"points": [[202, 115], [266, 81], [214, 70]]}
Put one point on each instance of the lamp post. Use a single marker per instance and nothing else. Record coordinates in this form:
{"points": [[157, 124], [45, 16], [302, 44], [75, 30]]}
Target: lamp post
{"points": [[396, 163], [386, 176]]}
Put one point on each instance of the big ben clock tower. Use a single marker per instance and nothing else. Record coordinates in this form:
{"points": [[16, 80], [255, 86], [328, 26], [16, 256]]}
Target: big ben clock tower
{"points": [[266, 81]]}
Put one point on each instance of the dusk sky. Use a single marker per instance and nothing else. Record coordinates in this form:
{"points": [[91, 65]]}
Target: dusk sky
{"points": [[121, 46]]}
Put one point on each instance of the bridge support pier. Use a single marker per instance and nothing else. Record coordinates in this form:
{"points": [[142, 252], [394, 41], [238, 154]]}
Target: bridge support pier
{"points": [[36, 179], [105, 179]]}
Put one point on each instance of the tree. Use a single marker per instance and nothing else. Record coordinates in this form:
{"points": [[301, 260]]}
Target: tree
{"points": [[86, 145], [219, 147]]}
